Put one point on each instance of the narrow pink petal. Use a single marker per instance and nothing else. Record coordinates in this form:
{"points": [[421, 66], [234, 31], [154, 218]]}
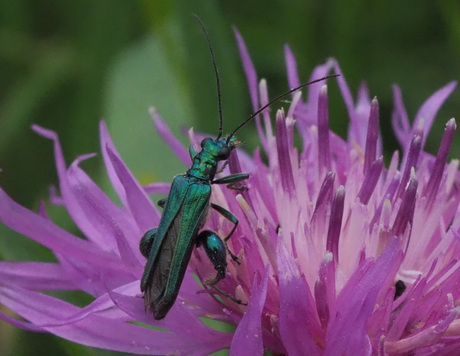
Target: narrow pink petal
{"points": [[291, 65], [19, 323], [298, 323], [36, 275], [99, 305], [340, 149], [380, 318], [410, 162], [249, 70], [346, 93], [357, 130], [335, 223], [97, 213], [110, 223], [140, 205], [324, 154], [109, 220], [284, 159], [406, 210], [176, 146], [314, 89], [55, 198], [388, 196], [370, 181], [42, 210], [46, 233], [372, 136], [262, 182], [265, 114], [325, 289], [399, 118], [248, 335], [68, 196], [106, 141], [440, 163], [430, 108], [307, 113]]}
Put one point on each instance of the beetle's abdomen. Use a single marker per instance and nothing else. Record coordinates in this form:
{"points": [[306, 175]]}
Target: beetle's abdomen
{"points": [[178, 240]]}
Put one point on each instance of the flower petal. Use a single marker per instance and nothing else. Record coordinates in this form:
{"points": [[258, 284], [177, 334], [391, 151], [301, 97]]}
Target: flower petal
{"points": [[95, 331], [168, 137], [141, 207], [399, 118], [249, 70], [43, 231], [291, 66], [298, 322], [36, 275], [430, 108], [194, 336], [248, 335], [106, 141], [98, 211], [346, 332]]}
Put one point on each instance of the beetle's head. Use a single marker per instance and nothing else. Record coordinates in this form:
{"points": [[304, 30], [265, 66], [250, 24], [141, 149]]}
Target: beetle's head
{"points": [[220, 149]]}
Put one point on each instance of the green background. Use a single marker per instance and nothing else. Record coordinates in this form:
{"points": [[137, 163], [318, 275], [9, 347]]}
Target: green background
{"points": [[65, 65]]}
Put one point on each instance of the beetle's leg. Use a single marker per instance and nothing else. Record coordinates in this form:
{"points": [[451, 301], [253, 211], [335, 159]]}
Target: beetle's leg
{"points": [[217, 253], [232, 180], [220, 291], [145, 245], [234, 186], [191, 152], [232, 218], [161, 203], [215, 249], [229, 216]]}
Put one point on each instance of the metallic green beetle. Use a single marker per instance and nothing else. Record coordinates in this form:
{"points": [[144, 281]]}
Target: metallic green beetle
{"points": [[169, 247]]}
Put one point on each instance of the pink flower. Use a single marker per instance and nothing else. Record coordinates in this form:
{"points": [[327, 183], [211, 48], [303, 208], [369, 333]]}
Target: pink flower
{"points": [[339, 255]]}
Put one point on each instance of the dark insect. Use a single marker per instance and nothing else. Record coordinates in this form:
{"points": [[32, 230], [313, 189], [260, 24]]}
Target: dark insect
{"points": [[400, 287], [168, 247]]}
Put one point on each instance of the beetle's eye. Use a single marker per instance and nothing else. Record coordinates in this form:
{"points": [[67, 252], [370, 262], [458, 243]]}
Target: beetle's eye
{"points": [[224, 153], [204, 141]]}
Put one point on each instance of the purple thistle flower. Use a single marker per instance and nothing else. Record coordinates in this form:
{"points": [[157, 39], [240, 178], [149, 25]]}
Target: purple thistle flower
{"points": [[339, 255]]}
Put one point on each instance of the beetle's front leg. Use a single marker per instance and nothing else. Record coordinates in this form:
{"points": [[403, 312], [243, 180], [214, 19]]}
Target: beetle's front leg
{"points": [[145, 245], [216, 250], [232, 180]]}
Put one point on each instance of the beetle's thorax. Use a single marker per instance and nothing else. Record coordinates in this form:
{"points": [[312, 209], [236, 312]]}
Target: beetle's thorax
{"points": [[205, 162], [204, 166]]}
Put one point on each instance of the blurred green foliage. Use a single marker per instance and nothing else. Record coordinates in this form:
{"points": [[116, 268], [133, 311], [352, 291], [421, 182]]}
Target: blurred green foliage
{"points": [[66, 65]]}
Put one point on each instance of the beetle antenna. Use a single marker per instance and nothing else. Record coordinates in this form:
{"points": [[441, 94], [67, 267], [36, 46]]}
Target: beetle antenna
{"points": [[216, 71], [275, 100]]}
